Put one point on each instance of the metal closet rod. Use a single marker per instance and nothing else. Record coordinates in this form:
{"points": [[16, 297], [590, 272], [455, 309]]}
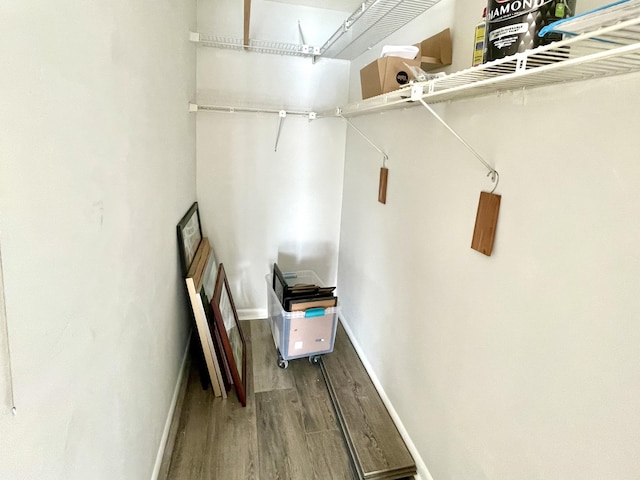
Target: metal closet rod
{"points": [[229, 109]]}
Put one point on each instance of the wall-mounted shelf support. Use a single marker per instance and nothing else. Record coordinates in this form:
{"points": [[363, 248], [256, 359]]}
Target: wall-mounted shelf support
{"points": [[385, 157], [301, 34], [282, 114], [5, 322], [417, 92], [384, 171]]}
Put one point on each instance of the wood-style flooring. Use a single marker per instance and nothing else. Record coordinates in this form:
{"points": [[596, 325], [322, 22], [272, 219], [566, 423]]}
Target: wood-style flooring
{"points": [[305, 422], [374, 442], [287, 431]]}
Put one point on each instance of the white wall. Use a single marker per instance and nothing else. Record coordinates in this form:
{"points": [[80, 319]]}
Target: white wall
{"points": [[260, 206], [98, 165], [523, 364]]}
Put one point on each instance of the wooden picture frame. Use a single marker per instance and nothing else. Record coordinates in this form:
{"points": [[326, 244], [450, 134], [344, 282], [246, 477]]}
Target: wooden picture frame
{"points": [[198, 279], [230, 330], [225, 371], [189, 232], [206, 339], [206, 293], [279, 283]]}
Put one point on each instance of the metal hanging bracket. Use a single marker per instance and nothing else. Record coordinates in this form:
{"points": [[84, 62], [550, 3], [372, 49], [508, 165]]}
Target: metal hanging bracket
{"points": [[417, 92], [307, 50], [385, 157], [282, 114], [303, 44], [5, 322]]}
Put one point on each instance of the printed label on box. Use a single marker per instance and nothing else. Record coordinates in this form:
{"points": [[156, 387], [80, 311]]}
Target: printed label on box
{"points": [[297, 345]]}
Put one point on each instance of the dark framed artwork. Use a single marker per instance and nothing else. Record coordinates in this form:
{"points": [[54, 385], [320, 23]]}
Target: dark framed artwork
{"points": [[189, 232], [279, 283], [225, 370], [189, 237], [231, 334]]}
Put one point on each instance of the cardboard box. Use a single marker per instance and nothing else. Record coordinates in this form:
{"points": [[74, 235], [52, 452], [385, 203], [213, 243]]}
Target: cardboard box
{"points": [[436, 51], [385, 75]]}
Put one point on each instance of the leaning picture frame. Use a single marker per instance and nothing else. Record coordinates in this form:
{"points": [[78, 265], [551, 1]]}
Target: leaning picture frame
{"points": [[189, 232], [189, 237], [230, 330], [206, 339], [206, 293]]}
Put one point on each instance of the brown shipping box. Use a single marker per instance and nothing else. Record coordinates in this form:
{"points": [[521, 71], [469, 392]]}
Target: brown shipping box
{"points": [[385, 75], [435, 52]]}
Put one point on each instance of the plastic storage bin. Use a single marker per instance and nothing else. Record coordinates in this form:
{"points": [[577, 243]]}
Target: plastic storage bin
{"points": [[301, 334]]}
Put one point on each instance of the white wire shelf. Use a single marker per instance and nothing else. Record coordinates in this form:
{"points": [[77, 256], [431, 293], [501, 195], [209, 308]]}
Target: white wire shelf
{"points": [[259, 46], [372, 22], [368, 25], [607, 44]]}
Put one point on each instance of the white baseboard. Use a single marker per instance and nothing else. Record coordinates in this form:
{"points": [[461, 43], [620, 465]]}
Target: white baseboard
{"points": [[252, 313], [423, 471], [172, 407]]}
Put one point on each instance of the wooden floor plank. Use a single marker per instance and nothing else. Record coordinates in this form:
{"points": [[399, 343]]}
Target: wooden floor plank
{"points": [[232, 442], [282, 443], [191, 438], [289, 430], [317, 411], [175, 423], [373, 439], [267, 375], [329, 456]]}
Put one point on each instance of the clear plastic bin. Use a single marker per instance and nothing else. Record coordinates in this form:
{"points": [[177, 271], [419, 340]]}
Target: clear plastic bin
{"points": [[300, 334]]}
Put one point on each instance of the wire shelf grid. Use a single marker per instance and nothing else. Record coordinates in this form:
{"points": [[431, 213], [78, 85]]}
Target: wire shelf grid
{"points": [[611, 48], [374, 21], [259, 46]]}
